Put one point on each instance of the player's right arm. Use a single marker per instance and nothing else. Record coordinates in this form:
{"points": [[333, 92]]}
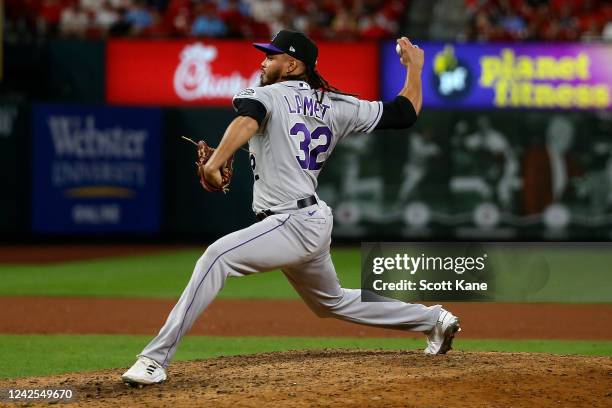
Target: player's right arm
{"points": [[403, 111], [412, 57]]}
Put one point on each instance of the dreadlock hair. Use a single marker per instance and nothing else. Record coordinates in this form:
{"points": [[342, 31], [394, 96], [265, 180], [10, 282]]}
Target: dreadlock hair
{"points": [[318, 84]]}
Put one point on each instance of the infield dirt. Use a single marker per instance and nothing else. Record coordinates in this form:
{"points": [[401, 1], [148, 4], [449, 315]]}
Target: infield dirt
{"points": [[341, 378]]}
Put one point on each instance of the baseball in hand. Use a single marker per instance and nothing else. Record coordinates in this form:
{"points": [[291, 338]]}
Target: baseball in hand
{"points": [[398, 49]]}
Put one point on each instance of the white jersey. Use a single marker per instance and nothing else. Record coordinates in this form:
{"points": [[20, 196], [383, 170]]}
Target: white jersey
{"points": [[297, 136]]}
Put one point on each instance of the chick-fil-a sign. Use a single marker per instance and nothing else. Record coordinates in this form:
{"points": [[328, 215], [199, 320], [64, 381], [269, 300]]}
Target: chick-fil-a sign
{"points": [[204, 72]]}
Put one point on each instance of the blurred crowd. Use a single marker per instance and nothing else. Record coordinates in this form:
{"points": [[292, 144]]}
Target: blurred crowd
{"points": [[485, 20], [321, 19], [548, 20]]}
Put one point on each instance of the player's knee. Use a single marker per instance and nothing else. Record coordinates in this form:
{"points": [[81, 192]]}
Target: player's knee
{"points": [[322, 311], [327, 308], [210, 257], [321, 308], [215, 251]]}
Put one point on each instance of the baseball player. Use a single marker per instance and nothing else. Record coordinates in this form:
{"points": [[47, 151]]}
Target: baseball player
{"points": [[292, 123]]}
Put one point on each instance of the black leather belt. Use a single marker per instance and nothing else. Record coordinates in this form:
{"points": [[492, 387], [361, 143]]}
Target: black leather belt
{"points": [[303, 203]]}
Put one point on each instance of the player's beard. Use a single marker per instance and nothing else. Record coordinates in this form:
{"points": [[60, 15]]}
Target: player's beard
{"points": [[270, 77]]}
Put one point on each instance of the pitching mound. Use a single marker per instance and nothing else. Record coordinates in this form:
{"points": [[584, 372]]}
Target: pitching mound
{"points": [[356, 378]]}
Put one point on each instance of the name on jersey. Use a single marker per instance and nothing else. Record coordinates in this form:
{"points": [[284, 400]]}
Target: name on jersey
{"points": [[305, 105]]}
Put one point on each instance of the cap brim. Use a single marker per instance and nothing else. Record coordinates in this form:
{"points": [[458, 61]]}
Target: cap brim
{"points": [[268, 48]]}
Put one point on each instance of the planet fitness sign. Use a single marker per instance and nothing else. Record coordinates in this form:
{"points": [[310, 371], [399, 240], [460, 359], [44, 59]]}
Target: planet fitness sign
{"points": [[534, 76], [175, 73]]}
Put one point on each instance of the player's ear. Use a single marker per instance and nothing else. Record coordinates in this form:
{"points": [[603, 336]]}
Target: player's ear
{"points": [[291, 65]]}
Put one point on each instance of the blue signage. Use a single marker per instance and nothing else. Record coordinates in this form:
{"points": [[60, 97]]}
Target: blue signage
{"points": [[507, 76], [96, 170]]}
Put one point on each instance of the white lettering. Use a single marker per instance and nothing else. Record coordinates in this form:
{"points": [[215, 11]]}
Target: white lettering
{"points": [[463, 285], [416, 262], [377, 266], [81, 173], [73, 138], [96, 214], [453, 81], [444, 285], [194, 78], [403, 284]]}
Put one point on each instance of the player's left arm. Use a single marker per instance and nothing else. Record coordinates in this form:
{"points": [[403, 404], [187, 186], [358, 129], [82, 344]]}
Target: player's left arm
{"points": [[237, 134], [403, 111]]}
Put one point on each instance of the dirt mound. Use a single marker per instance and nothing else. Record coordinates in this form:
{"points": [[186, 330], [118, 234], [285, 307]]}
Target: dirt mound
{"points": [[355, 378]]}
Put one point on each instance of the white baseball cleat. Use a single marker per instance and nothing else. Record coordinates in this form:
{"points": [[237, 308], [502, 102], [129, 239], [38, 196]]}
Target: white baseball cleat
{"points": [[440, 338], [145, 371]]}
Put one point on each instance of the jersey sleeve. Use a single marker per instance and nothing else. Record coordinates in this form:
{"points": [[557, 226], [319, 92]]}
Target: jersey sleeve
{"points": [[252, 108], [357, 115], [258, 94], [399, 114]]}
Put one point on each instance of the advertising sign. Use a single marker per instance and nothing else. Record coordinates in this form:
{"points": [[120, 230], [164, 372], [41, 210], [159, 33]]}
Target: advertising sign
{"points": [[96, 170], [179, 73], [525, 76]]}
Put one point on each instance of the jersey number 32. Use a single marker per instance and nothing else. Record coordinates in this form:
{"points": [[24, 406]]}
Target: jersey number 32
{"points": [[308, 157]]}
